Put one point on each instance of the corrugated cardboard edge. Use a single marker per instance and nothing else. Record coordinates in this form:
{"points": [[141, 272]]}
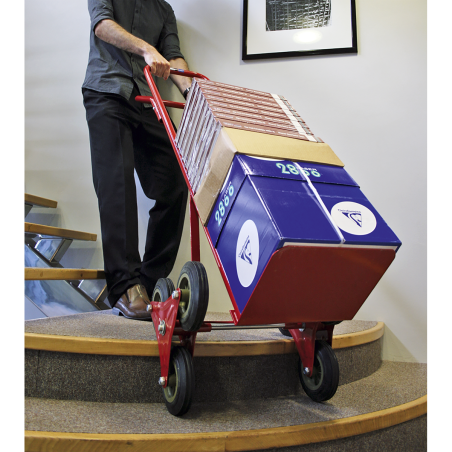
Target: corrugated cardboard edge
{"points": [[232, 141], [220, 161], [272, 146]]}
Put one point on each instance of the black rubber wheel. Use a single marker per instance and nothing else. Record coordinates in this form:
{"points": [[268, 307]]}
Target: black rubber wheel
{"points": [[163, 289], [323, 383], [181, 382], [195, 296], [285, 332]]}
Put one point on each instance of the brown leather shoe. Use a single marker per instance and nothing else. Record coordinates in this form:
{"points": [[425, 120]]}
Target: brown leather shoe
{"points": [[134, 304]]}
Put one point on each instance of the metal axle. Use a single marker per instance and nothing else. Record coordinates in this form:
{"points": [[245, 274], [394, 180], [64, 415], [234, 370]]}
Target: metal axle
{"points": [[227, 326]]}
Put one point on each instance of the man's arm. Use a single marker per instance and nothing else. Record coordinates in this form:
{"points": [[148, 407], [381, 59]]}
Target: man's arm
{"points": [[109, 31], [181, 82]]}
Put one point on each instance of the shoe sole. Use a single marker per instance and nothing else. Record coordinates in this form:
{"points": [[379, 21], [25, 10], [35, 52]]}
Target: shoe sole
{"points": [[119, 313]]}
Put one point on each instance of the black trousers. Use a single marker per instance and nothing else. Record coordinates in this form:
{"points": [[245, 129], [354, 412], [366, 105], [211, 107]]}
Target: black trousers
{"points": [[124, 135]]}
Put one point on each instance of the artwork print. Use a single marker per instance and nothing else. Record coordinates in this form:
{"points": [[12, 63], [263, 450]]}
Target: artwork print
{"points": [[287, 28], [297, 14]]}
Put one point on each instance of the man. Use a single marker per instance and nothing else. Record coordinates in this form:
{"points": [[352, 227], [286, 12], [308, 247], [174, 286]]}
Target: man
{"points": [[125, 135]]}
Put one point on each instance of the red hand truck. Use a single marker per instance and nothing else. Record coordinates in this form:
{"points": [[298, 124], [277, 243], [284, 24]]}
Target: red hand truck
{"points": [[180, 311]]}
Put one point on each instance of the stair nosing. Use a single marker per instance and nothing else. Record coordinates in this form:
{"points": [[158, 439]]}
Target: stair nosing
{"points": [[40, 201], [56, 274], [275, 437], [131, 347], [53, 231]]}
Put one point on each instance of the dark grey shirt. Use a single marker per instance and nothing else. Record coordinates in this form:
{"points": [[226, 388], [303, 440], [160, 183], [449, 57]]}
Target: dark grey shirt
{"points": [[112, 70]]}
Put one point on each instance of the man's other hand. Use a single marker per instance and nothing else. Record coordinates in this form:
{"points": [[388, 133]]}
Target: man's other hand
{"points": [[159, 65]]}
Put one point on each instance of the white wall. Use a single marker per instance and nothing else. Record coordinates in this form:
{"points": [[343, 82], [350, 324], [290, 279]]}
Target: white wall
{"points": [[370, 108]]}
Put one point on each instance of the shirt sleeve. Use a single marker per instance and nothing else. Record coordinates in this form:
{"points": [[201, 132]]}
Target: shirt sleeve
{"points": [[100, 10], [169, 46]]}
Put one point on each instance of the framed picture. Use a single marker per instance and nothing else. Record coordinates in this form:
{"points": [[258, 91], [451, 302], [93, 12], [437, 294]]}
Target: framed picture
{"points": [[295, 28]]}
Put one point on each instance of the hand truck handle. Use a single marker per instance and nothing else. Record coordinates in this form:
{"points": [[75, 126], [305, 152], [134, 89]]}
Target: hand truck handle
{"points": [[159, 104], [162, 114], [185, 73], [169, 103]]}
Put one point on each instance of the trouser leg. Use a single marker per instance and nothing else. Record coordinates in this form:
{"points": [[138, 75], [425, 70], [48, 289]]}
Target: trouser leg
{"points": [[111, 139], [161, 179]]}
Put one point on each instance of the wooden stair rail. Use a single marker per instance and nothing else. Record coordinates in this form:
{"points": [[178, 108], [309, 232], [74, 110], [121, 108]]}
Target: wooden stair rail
{"points": [[59, 232], [55, 274], [38, 201]]}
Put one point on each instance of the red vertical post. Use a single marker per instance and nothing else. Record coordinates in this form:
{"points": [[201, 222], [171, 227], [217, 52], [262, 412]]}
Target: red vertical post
{"points": [[194, 232]]}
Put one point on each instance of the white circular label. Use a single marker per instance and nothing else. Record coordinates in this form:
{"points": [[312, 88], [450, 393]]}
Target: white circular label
{"points": [[247, 253], [354, 218]]}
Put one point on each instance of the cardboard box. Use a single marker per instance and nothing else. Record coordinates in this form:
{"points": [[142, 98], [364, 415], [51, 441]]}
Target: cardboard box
{"points": [[234, 141], [277, 209]]}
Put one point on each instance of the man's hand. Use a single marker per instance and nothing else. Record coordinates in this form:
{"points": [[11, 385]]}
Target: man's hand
{"points": [[158, 65]]}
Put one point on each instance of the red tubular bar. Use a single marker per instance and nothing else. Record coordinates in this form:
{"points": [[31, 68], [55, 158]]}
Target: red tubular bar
{"points": [[194, 233], [162, 115], [167, 103], [186, 73]]}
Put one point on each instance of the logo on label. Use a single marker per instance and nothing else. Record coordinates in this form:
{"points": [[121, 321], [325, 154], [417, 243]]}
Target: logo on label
{"points": [[247, 253], [354, 218]]}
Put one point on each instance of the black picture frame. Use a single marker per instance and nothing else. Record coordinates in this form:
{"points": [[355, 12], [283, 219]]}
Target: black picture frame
{"points": [[248, 53]]}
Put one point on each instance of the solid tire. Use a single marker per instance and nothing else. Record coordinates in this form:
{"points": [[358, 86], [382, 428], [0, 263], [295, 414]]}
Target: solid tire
{"points": [[285, 332], [163, 290], [323, 383], [193, 307], [178, 395]]}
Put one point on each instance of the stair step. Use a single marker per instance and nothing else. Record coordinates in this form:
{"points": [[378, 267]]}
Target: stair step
{"points": [[393, 395], [65, 354], [59, 232], [108, 334], [66, 274], [38, 201]]}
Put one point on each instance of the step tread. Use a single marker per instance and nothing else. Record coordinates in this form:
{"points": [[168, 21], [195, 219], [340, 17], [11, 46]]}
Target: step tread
{"points": [[39, 201], [59, 232], [105, 324], [384, 389], [62, 274], [104, 333]]}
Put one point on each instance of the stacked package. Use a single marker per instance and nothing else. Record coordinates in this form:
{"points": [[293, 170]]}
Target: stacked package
{"points": [[212, 105], [279, 207]]}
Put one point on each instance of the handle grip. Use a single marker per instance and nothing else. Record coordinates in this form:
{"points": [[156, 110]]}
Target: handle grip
{"points": [[167, 103], [185, 73]]}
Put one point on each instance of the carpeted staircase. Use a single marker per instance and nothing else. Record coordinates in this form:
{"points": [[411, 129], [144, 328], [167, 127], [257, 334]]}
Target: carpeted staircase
{"points": [[92, 385]]}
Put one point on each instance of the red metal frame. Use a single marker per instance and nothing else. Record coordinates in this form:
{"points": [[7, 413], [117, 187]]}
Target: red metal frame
{"points": [[162, 114], [194, 233], [167, 311]]}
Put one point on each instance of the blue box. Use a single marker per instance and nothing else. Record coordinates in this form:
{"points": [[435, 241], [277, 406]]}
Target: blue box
{"points": [[267, 204]]}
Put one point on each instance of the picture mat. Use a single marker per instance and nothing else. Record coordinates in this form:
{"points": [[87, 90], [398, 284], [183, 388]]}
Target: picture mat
{"points": [[334, 36]]}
